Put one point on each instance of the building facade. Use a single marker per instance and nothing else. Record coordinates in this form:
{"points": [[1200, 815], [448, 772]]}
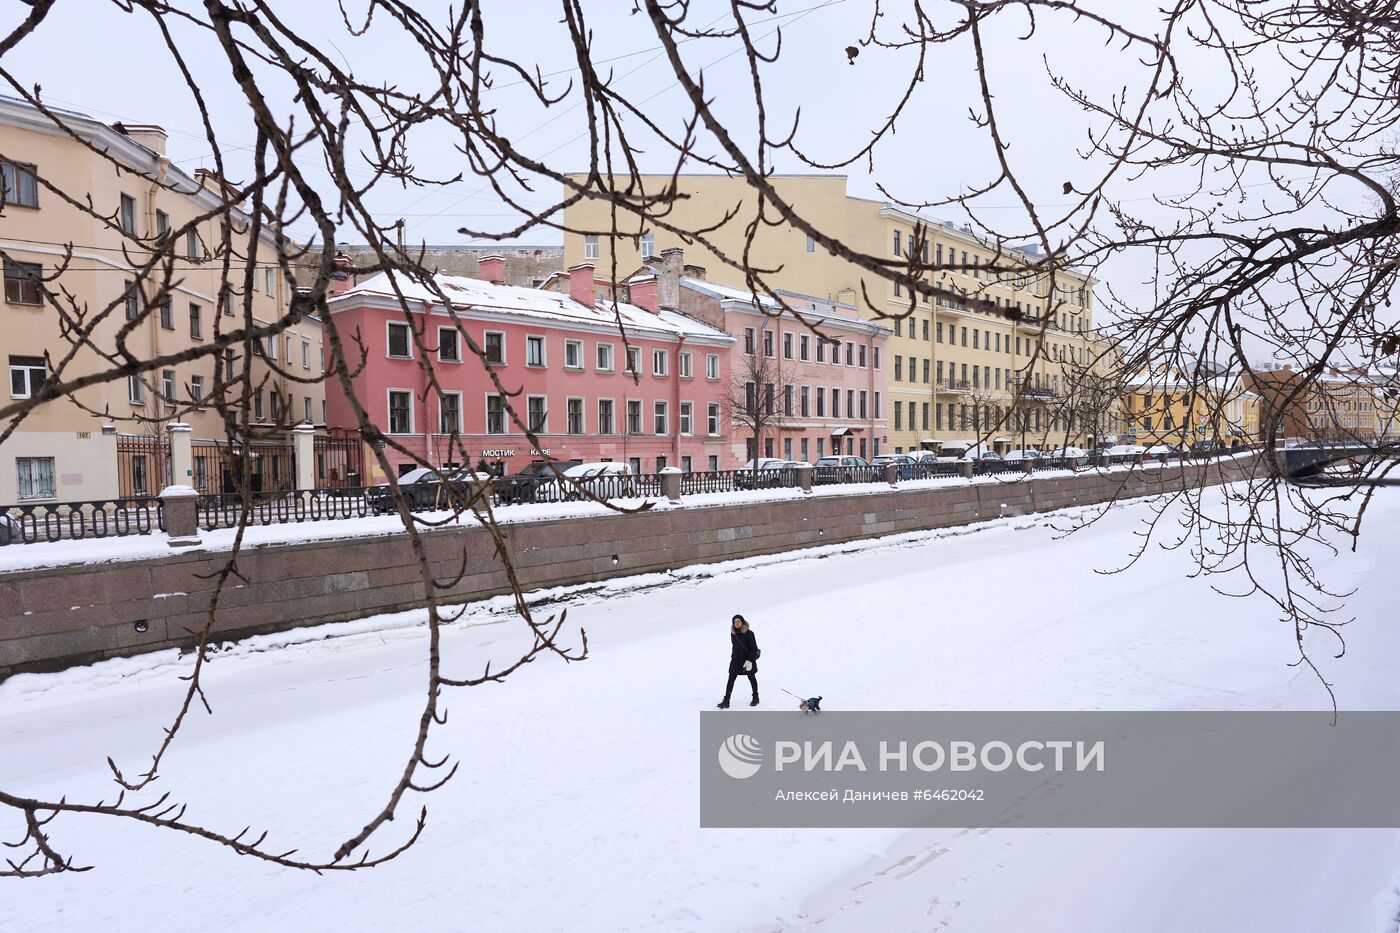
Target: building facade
{"points": [[991, 354], [1179, 412], [107, 440], [649, 394]]}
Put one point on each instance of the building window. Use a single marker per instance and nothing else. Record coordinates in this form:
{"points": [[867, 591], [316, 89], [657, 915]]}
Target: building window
{"points": [[269, 282], [686, 416], [804, 347], [925, 416], [659, 418], [648, 245], [748, 340], [573, 354], [192, 245], [135, 390], [449, 412], [20, 184], [898, 414], [27, 374], [860, 353], [634, 416], [712, 419], [196, 321], [574, 416], [167, 314], [306, 354], [811, 244], [590, 246], [398, 342], [535, 409], [605, 416], [805, 401], [862, 404], [767, 343], [821, 400], [24, 283], [821, 350], [35, 477], [658, 362], [875, 356], [711, 365], [400, 411], [877, 405], [258, 406], [162, 227], [897, 250], [306, 408], [634, 360], [129, 298], [226, 299], [787, 346], [197, 388], [290, 348], [495, 414], [605, 358], [127, 217], [494, 343], [201, 473], [683, 364], [167, 386], [787, 400], [850, 353], [449, 348]]}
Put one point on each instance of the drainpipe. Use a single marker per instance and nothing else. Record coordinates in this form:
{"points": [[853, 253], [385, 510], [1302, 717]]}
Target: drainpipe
{"points": [[676, 404], [162, 167]]}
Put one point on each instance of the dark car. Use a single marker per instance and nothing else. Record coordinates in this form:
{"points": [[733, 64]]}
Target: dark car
{"points": [[520, 487], [424, 489], [842, 469], [905, 466]]}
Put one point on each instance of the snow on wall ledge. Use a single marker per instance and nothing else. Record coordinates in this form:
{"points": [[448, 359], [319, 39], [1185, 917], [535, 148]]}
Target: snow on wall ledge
{"points": [[55, 617]]}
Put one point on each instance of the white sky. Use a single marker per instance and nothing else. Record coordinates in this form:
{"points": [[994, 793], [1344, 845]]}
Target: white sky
{"points": [[938, 152]]}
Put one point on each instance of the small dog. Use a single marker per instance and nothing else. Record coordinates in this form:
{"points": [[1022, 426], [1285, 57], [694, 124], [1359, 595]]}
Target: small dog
{"points": [[811, 705]]}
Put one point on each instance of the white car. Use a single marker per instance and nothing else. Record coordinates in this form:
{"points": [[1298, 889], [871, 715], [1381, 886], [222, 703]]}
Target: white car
{"points": [[606, 479], [1125, 450], [1021, 455]]}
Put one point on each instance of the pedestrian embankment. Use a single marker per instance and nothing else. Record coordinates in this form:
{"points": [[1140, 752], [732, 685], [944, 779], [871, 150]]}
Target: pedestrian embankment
{"points": [[59, 616]]}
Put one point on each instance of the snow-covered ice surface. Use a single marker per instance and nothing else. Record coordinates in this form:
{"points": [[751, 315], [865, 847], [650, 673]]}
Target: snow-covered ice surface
{"points": [[575, 807]]}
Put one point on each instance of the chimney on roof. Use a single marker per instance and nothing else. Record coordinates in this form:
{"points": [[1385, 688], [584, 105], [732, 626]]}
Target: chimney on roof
{"points": [[343, 276], [147, 134], [693, 271], [644, 293], [492, 269], [668, 282], [581, 284]]}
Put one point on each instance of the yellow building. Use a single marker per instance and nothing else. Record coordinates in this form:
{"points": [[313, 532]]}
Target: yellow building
{"points": [[957, 361], [67, 449], [1179, 412]]}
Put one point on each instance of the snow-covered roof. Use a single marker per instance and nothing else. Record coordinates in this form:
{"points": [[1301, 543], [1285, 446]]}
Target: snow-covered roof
{"points": [[533, 303]]}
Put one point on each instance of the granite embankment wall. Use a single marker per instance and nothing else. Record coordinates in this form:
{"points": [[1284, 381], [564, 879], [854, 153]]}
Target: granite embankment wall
{"points": [[61, 616]]}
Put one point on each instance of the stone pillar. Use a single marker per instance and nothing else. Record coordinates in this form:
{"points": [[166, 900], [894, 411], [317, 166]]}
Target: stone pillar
{"points": [[1104, 461], [1028, 466], [181, 454], [179, 505], [108, 464], [804, 478], [892, 473], [304, 452], [965, 467], [671, 484]]}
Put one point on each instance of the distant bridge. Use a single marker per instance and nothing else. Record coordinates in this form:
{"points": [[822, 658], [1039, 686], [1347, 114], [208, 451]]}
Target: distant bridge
{"points": [[1304, 462]]}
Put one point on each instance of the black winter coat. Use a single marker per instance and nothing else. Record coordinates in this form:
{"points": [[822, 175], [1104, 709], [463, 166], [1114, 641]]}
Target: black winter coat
{"points": [[743, 647]]}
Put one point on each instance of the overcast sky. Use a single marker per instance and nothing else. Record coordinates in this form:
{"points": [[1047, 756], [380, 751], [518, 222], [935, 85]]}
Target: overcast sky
{"points": [[93, 57]]}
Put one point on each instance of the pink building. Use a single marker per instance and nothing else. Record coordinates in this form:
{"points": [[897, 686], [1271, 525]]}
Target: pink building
{"points": [[813, 364], [563, 354]]}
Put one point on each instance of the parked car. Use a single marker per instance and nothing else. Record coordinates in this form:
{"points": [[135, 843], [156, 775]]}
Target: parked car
{"points": [[767, 474], [606, 479], [1206, 447], [842, 469], [1018, 455], [977, 455], [9, 530], [423, 489], [1125, 450], [906, 467], [923, 456], [521, 486]]}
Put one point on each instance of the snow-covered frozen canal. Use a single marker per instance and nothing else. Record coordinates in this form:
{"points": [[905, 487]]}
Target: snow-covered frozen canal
{"points": [[575, 807]]}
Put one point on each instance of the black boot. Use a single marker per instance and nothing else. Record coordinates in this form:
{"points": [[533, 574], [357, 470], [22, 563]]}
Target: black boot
{"points": [[754, 701], [723, 704]]}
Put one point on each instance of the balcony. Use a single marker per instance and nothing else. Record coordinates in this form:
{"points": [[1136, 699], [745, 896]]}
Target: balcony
{"points": [[955, 385]]}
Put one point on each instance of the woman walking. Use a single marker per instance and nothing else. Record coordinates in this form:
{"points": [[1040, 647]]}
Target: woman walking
{"points": [[743, 659]]}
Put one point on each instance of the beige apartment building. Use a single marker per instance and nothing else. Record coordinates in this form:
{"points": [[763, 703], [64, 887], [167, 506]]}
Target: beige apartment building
{"points": [[107, 440], [966, 364]]}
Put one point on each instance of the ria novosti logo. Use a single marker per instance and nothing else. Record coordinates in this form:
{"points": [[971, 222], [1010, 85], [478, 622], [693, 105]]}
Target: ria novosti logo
{"points": [[740, 756]]}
